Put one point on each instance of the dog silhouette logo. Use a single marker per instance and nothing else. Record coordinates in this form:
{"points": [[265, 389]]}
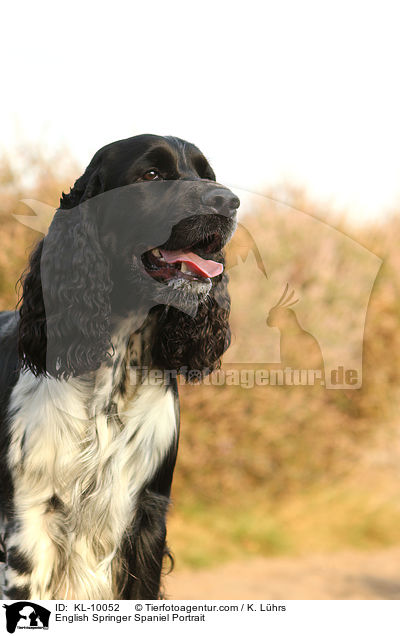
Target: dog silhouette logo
{"points": [[26, 615]]}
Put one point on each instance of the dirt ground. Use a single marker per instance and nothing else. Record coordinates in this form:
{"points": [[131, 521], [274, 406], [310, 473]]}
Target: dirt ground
{"points": [[342, 575]]}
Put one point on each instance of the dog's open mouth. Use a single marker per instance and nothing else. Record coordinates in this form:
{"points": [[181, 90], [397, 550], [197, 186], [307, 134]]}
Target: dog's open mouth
{"points": [[191, 263]]}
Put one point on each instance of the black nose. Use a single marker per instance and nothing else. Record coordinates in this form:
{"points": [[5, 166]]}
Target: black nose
{"points": [[222, 200]]}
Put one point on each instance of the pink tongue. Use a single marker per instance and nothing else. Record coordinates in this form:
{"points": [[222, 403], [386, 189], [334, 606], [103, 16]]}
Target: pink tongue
{"points": [[199, 265]]}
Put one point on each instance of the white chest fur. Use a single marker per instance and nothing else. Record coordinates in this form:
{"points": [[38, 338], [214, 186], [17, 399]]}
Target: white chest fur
{"points": [[77, 477]]}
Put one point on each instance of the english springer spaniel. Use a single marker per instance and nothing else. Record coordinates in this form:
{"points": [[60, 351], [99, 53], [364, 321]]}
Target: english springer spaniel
{"points": [[126, 291]]}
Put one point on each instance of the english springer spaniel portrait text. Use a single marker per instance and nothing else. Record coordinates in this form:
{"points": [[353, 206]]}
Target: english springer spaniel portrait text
{"points": [[129, 278]]}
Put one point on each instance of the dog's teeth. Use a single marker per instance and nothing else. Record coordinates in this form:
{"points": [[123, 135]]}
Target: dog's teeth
{"points": [[185, 268], [156, 252]]}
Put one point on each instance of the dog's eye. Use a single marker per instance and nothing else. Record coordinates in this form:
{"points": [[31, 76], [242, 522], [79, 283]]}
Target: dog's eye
{"points": [[151, 175]]}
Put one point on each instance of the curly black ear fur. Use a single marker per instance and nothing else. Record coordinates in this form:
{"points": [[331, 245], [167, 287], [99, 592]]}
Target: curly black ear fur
{"points": [[32, 325], [65, 312], [87, 186], [194, 346]]}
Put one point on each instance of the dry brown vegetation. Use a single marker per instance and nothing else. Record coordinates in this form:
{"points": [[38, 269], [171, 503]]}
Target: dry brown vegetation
{"points": [[268, 470]]}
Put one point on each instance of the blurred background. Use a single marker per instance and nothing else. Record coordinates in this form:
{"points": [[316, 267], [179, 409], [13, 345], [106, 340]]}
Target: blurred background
{"points": [[279, 492]]}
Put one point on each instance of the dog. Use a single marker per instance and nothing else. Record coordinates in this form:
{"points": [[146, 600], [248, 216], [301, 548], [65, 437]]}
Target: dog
{"points": [[128, 282]]}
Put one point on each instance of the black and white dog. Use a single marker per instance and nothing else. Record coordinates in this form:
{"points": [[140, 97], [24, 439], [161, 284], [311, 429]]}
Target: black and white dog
{"points": [[128, 280]]}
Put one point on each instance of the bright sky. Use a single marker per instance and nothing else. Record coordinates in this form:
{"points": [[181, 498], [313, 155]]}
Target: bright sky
{"points": [[303, 91]]}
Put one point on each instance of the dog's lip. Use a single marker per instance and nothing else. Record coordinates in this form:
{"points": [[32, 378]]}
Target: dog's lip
{"points": [[207, 245]]}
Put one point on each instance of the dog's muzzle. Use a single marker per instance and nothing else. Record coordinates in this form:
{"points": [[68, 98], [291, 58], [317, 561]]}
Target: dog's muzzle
{"points": [[193, 252]]}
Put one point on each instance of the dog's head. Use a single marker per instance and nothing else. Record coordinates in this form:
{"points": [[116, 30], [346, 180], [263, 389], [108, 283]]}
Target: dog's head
{"points": [[142, 231]]}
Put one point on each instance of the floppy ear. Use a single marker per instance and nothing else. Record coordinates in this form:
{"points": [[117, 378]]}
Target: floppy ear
{"points": [[65, 312], [194, 345], [32, 325]]}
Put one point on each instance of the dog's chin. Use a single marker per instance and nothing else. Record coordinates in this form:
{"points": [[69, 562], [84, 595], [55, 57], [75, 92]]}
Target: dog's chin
{"points": [[185, 295], [141, 291], [197, 288]]}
